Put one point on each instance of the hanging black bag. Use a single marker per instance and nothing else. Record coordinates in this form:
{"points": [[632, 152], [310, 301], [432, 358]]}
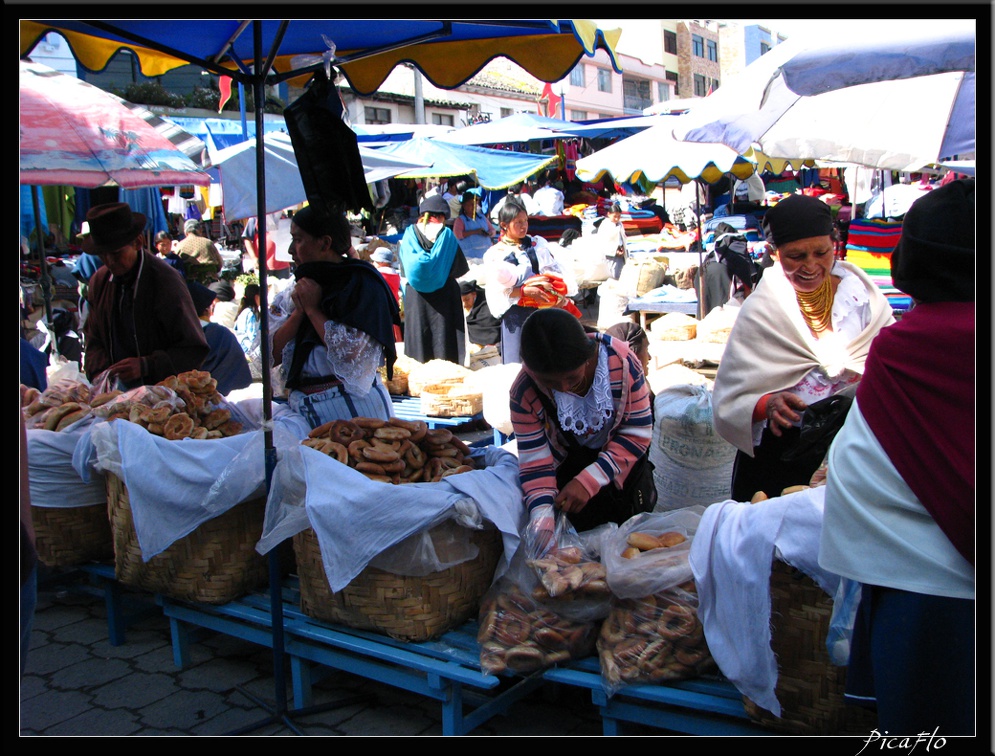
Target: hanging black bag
{"points": [[326, 148]]}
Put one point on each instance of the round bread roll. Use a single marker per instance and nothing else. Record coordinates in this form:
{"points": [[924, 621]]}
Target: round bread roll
{"points": [[55, 416]]}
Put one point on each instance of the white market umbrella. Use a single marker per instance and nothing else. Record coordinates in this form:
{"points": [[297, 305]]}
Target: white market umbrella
{"points": [[655, 155], [898, 95], [513, 129], [284, 187]]}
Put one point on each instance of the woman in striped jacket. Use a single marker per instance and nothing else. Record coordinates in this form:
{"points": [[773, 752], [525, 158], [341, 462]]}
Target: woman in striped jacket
{"points": [[581, 412]]}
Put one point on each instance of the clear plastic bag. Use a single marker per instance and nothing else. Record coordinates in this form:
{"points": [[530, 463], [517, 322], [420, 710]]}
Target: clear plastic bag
{"points": [[519, 634], [652, 632], [655, 569], [652, 639], [70, 393], [845, 604]]}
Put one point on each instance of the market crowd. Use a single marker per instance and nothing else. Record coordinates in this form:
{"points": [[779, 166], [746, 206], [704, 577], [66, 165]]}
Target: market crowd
{"points": [[815, 335]]}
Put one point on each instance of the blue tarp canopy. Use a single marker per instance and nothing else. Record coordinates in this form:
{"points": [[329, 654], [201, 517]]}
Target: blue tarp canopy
{"points": [[494, 169], [219, 133]]}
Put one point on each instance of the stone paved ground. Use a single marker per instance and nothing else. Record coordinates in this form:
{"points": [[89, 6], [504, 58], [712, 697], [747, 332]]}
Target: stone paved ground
{"points": [[77, 684]]}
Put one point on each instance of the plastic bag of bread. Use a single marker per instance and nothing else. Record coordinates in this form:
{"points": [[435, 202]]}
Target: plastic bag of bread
{"points": [[523, 628], [59, 407], [652, 631], [653, 639], [519, 634], [187, 405], [568, 567]]}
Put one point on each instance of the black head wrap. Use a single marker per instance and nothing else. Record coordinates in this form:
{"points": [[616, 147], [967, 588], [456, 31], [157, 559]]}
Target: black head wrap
{"points": [[934, 260], [797, 217], [627, 331]]}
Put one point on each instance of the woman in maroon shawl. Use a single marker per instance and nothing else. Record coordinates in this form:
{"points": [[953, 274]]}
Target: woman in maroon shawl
{"points": [[900, 496]]}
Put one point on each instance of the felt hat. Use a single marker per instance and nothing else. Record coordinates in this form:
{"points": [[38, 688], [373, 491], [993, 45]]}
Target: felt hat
{"points": [[201, 295], [435, 205], [797, 217], [111, 226], [223, 290], [935, 258]]}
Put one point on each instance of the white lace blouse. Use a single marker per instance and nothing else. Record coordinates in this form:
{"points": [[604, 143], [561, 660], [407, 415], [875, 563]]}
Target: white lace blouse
{"points": [[351, 355], [587, 416]]}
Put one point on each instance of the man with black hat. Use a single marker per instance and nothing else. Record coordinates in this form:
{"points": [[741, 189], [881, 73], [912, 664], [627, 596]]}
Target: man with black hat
{"points": [[142, 326]]}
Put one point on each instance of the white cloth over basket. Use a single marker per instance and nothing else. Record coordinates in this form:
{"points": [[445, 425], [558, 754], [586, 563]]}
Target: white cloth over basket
{"points": [[731, 558], [175, 486], [355, 519], [52, 478]]}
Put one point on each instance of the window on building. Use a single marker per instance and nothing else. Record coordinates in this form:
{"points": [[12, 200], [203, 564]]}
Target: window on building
{"points": [[578, 115], [441, 119], [700, 85], [603, 116], [505, 112], [577, 76], [663, 91], [713, 49], [604, 80], [636, 94], [377, 115], [671, 76], [764, 48], [670, 42], [698, 45]]}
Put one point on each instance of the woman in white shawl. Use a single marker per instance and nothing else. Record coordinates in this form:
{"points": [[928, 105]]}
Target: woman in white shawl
{"points": [[800, 337]]}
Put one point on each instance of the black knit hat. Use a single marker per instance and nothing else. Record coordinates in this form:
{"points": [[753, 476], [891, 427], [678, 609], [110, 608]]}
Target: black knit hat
{"points": [[797, 217], [935, 258], [201, 296]]}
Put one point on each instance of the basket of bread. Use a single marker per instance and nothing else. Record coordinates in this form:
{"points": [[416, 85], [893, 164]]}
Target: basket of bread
{"points": [[216, 562], [69, 516], [410, 607]]}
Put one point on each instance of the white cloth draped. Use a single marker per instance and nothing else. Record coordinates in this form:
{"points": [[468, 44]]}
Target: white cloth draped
{"points": [[731, 558], [175, 486], [356, 519]]}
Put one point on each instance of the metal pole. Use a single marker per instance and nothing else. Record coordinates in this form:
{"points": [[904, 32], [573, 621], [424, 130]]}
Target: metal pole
{"points": [[701, 261], [46, 280]]}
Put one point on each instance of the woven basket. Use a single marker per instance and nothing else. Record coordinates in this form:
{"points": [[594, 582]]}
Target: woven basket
{"points": [[809, 687], [398, 386], [68, 536], [407, 608], [214, 564], [450, 400]]}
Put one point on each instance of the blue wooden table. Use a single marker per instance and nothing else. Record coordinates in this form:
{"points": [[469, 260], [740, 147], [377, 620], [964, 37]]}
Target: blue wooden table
{"points": [[702, 706], [447, 670]]}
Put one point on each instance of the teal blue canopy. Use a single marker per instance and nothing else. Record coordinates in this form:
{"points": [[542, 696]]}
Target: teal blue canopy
{"points": [[494, 169]]}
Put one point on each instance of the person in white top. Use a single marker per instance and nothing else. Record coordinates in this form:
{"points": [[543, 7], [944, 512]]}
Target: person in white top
{"points": [[508, 264], [611, 236], [549, 198], [521, 198]]}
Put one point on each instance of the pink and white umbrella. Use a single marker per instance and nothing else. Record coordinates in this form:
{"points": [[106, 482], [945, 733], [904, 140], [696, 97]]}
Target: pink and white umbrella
{"points": [[74, 134]]}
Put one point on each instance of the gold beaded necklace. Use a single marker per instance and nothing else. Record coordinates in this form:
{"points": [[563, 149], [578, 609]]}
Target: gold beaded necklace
{"points": [[817, 306]]}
